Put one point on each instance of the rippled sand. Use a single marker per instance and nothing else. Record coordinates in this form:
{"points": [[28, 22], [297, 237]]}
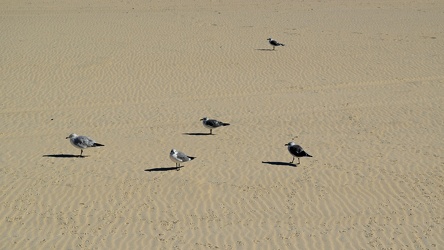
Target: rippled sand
{"points": [[359, 85]]}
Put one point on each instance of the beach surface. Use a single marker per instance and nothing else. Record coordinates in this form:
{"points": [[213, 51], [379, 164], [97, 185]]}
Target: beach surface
{"points": [[359, 85]]}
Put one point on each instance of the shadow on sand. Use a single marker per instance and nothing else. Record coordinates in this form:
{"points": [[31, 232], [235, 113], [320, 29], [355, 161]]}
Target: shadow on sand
{"points": [[65, 156], [266, 49], [198, 134], [163, 169], [280, 163]]}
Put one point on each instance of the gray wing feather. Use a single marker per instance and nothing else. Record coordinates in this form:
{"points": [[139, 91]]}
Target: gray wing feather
{"points": [[296, 149], [213, 123], [84, 141], [183, 157]]}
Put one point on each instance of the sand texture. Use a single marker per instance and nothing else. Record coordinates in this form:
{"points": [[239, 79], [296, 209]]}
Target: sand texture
{"points": [[359, 85]]}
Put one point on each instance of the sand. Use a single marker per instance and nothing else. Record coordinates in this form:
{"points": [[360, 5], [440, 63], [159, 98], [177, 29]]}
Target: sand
{"points": [[359, 85]]}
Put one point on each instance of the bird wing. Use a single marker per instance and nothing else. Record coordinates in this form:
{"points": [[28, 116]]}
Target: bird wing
{"points": [[182, 157], [296, 150], [84, 141], [213, 123], [274, 42]]}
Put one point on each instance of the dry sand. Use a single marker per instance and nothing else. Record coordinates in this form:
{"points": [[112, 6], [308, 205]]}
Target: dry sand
{"points": [[359, 84]]}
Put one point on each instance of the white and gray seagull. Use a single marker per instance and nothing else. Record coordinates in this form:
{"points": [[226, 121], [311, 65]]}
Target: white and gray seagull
{"points": [[274, 43], [179, 157], [296, 151], [212, 124], [82, 142]]}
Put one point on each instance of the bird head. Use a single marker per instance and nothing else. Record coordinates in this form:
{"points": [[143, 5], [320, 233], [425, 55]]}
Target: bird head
{"points": [[71, 136]]}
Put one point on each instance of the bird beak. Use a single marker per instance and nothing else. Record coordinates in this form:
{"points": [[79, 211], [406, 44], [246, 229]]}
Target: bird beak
{"points": [[66, 137], [286, 144]]}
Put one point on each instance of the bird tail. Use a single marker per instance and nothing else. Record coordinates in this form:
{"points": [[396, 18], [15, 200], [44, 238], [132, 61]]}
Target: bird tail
{"points": [[191, 157], [98, 145], [282, 44], [309, 155], [225, 124]]}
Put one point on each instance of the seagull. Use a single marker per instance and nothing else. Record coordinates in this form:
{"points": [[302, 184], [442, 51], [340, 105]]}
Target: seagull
{"points": [[296, 151], [179, 157], [82, 142], [274, 43], [211, 124]]}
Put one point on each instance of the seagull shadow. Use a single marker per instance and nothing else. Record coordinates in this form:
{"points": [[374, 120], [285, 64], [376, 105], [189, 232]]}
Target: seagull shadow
{"points": [[65, 156], [280, 163], [163, 169], [198, 134], [266, 49]]}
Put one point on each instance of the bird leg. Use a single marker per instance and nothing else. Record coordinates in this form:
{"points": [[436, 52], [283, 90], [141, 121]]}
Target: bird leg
{"points": [[81, 152], [292, 160], [211, 131]]}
